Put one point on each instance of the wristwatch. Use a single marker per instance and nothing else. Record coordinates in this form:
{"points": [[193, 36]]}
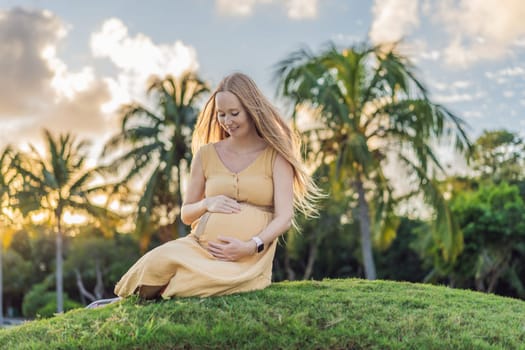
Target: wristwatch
{"points": [[259, 243]]}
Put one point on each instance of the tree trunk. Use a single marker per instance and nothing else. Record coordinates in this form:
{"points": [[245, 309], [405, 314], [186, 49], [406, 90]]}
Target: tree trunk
{"points": [[59, 267], [99, 286], [312, 256], [499, 270], [364, 228], [167, 232], [290, 273], [83, 291], [181, 228], [480, 285], [1, 282]]}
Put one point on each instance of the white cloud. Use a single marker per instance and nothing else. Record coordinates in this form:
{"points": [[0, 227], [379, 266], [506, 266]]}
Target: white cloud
{"points": [[520, 42], [139, 53], [296, 9], [439, 86], [137, 59], [474, 29], [346, 39], [302, 9], [418, 49], [37, 89], [393, 20], [505, 75], [240, 8], [433, 55], [459, 97], [65, 83], [461, 84], [25, 36], [453, 86], [472, 115], [506, 72], [480, 29]]}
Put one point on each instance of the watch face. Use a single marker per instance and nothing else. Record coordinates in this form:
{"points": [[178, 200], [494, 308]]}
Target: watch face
{"points": [[260, 248]]}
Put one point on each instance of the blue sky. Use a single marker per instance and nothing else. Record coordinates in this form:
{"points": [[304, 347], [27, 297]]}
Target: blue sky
{"points": [[67, 65]]}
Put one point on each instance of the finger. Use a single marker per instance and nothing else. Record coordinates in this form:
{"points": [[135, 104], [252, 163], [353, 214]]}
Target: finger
{"points": [[215, 252], [216, 245], [232, 209], [224, 239], [216, 255], [223, 208], [235, 205], [232, 203], [232, 206], [220, 256]]}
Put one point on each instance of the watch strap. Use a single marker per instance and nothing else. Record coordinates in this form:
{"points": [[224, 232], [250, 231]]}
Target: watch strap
{"points": [[259, 244]]}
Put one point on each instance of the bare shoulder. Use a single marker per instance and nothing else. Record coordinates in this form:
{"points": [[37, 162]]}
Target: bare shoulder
{"points": [[281, 165]]}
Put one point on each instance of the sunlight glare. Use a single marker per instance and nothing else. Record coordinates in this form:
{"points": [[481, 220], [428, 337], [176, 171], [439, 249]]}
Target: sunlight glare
{"points": [[99, 199], [38, 217], [74, 219]]}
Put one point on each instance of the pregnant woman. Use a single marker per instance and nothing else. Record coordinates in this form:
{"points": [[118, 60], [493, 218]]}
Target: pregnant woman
{"points": [[246, 178]]}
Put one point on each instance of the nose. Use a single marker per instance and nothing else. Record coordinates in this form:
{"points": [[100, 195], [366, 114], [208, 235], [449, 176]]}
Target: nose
{"points": [[227, 120]]}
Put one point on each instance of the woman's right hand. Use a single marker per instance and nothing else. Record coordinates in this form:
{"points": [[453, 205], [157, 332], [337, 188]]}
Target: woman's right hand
{"points": [[222, 204]]}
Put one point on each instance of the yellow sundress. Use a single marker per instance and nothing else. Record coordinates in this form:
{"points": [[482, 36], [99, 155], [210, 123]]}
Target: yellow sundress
{"points": [[184, 265]]}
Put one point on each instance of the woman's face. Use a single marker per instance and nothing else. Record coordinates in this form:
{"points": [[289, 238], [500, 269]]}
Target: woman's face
{"points": [[232, 116]]}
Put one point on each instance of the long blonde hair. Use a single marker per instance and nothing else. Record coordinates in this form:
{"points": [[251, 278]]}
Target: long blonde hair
{"points": [[269, 125]]}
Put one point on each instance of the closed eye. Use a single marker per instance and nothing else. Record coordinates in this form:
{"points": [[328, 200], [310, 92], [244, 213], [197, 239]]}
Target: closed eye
{"points": [[222, 115]]}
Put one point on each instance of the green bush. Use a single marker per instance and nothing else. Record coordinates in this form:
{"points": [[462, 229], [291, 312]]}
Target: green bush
{"points": [[40, 302], [35, 299], [50, 309]]}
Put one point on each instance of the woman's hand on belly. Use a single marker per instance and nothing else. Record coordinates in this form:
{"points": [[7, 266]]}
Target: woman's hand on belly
{"points": [[222, 204], [231, 249]]}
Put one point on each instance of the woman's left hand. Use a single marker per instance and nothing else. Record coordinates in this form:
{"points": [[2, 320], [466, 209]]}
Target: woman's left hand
{"points": [[230, 249]]}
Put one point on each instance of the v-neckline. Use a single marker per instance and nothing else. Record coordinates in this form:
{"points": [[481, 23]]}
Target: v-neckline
{"points": [[243, 169]]}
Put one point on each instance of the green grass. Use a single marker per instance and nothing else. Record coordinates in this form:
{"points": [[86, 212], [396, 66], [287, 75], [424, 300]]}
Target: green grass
{"points": [[332, 314]]}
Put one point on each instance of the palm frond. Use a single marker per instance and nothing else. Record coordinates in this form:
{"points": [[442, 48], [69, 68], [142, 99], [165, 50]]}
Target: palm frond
{"points": [[445, 230], [139, 114], [145, 204]]}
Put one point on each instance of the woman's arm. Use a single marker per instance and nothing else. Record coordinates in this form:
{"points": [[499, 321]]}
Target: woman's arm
{"points": [[193, 206], [232, 249], [283, 201]]}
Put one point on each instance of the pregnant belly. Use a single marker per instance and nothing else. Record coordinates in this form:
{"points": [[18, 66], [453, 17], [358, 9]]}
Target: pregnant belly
{"points": [[243, 225]]}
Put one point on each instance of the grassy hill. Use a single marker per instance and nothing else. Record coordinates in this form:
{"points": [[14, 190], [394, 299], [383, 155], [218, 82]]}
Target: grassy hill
{"points": [[332, 314]]}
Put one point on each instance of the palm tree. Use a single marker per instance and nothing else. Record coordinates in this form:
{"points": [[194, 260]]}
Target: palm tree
{"points": [[372, 107], [157, 143], [5, 184], [58, 183]]}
